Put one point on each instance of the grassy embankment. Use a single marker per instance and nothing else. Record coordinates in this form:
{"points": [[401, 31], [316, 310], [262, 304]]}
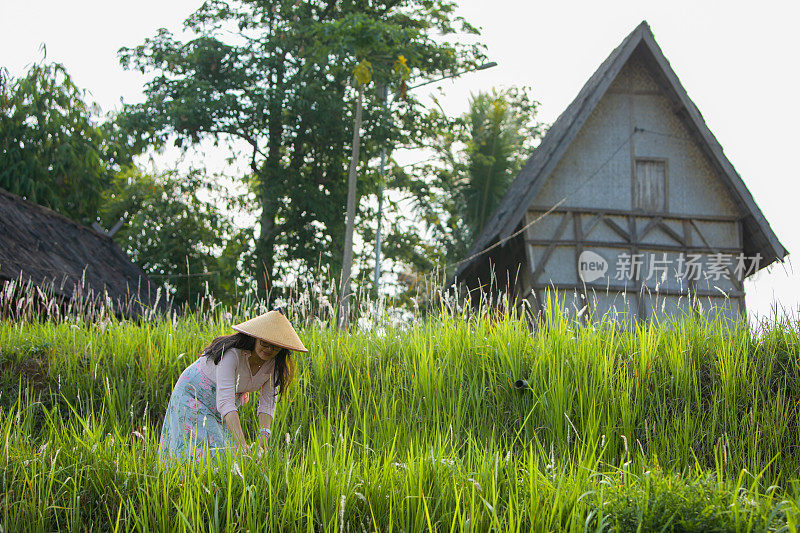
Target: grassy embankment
{"points": [[689, 426]]}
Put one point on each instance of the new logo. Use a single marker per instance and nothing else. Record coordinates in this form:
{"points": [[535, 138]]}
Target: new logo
{"points": [[591, 266]]}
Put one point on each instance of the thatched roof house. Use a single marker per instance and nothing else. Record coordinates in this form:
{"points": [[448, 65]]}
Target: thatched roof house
{"points": [[628, 180], [66, 260]]}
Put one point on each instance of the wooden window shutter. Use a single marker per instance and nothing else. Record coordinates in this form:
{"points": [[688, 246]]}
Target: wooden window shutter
{"points": [[650, 185]]}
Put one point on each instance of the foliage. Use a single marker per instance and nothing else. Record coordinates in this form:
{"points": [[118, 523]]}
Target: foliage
{"points": [[478, 157], [176, 228], [53, 151], [686, 426], [502, 133], [56, 153], [656, 501], [271, 79], [363, 72]]}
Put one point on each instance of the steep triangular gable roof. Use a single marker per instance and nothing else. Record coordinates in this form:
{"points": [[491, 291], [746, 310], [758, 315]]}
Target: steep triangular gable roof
{"points": [[758, 236]]}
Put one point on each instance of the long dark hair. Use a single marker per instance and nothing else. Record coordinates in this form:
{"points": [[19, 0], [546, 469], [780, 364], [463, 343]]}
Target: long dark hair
{"points": [[284, 364]]}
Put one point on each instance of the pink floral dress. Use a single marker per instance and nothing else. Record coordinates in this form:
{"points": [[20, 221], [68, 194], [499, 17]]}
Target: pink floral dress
{"points": [[193, 426]]}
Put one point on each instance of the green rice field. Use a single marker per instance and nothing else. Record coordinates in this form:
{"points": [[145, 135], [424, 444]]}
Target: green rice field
{"points": [[687, 426]]}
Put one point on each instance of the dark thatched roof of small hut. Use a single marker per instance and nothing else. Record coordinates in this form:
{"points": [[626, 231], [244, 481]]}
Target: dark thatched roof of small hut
{"points": [[48, 249], [758, 236]]}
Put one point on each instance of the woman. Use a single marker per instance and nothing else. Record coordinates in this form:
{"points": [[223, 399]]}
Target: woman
{"points": [[203, 415]]}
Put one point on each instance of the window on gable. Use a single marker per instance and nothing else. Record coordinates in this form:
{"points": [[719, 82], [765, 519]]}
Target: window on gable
{"points": [[650, 185]]}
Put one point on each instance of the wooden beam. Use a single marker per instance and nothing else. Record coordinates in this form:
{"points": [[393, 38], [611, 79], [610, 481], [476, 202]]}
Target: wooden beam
{"points": [[593, 224], [641, 312], [687, 232], [621, 212], [671, 232], [743, 305], [539, 307], [577, 225], [619, 231], [549, 251], [687, 237], [662, 291], [642, 246], [650, 225], [658, 222], [731, 274], [528, 237]]}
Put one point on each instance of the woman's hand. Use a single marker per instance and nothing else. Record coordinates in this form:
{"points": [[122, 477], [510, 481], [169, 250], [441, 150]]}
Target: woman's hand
{"points": [[243, 397], [264, 422], [261, 453]]}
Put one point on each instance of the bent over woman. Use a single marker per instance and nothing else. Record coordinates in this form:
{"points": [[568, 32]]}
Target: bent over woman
{"points": [[202, 415]]}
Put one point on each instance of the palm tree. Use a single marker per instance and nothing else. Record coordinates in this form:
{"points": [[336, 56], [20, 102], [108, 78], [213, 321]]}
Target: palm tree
{"points": [[495, 152], [478, 156]]}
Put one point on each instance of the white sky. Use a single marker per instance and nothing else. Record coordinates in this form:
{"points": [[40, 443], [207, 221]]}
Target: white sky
{"points": [[737, 60]]}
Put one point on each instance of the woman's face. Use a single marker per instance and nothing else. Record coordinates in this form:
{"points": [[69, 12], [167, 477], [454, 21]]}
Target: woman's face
{"points": [[265, 350]]}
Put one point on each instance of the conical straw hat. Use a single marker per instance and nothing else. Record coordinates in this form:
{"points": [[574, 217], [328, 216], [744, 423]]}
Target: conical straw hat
{"points": [[274, 328]]}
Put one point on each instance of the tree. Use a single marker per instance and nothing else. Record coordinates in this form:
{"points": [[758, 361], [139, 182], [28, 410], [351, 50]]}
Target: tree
{"points": [[179, 238], [277, 91], [478, 157], [362, 76], [52, 151]]}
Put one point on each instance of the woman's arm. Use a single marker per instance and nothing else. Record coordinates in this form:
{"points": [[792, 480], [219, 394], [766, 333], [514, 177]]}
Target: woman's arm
{"points": [[235, 427], [266, 410], [264, 421]]}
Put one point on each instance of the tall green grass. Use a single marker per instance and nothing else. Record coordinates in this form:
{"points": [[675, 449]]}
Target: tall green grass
{"points": [[688, 426]]}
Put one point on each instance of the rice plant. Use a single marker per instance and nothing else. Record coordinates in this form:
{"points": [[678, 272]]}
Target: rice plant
{"points": [[412, 425]]}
